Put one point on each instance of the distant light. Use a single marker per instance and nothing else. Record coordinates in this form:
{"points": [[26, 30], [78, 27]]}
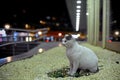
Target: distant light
{"points": [[77, 25], [40, 32], [28, 39], [42, 22], [77, 14], [26, 26], [87, 13], [40, 50], [78, 2], [77, 10], [109, 41], [48, 17], [77, 21], [59, 44], [59, 34], [7, 26], [78, 6], [75, 36], [48, 28], [57, 24], [53, 18], [117, 33], [115, 21], [9, 59], [29, 34], [78, 35]]}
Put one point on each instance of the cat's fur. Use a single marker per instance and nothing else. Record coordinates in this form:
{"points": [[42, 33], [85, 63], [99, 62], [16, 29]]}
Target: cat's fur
{"points": [[80, 57]]}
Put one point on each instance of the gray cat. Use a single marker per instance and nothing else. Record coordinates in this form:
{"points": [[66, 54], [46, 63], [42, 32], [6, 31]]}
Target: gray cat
{"points": [[79, 57]]}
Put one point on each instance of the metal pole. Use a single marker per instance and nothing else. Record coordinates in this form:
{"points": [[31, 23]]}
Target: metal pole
{"points": [[104, 24], [90, 26], [13, 49], [92, 21], [88, 21], [108, 19], [97, 20], [106, 12]]}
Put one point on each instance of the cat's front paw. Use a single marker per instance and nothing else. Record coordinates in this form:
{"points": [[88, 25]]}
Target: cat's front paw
{"points": [[71, 74], [68, 72]]}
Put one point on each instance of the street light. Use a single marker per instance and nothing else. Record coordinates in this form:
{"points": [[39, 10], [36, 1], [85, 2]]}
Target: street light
{"points": [[7, 26], [40, 32], [78, 7], [117, 33], [59, 34], [27, 26]]}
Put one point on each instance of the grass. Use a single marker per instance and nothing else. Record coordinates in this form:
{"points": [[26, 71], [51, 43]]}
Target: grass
{"points": [[63, 73], [55, 60]]}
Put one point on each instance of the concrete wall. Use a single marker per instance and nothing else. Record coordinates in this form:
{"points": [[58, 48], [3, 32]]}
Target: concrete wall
{"points": [[71, 6]]}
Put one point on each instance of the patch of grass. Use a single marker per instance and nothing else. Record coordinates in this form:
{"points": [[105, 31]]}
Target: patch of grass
{"points": [[63, 73], [59, 73]]}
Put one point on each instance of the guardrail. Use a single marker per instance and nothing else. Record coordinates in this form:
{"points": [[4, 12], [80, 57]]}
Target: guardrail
{"points": [[22, 38], [14, 40], [11, 39]]}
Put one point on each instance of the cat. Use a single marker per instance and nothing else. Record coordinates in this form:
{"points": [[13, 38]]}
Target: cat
{"points": [[80, 57]]}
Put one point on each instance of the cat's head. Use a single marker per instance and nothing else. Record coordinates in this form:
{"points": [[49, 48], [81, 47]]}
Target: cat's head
{"points": [[68, 40]]}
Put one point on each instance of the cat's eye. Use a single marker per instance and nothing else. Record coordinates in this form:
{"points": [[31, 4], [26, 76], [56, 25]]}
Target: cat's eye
{"points": [[65, 41], [68, 37]]}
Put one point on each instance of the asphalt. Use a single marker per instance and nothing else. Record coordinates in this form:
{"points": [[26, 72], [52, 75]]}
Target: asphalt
{"points": [[42, 45], [34, 51]]}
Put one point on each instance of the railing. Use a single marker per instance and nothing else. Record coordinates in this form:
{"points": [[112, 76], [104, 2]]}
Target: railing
{"points": [[24, 38], [11, 39]]}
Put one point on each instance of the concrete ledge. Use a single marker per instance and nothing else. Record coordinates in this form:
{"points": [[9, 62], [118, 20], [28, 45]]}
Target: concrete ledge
{"points": [[114, 46]]}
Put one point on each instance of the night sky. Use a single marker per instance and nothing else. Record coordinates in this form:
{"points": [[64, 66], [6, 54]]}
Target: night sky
{"points": [[115, 15], [19, 12]]}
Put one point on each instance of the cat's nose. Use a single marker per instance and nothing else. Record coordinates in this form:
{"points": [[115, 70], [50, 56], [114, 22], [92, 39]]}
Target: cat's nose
{"points": [[65, 41]]}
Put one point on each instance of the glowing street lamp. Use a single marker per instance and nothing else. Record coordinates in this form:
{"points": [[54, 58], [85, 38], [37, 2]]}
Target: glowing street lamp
{"points": [[59, 34], [7, 26], [27, 26], [40, 32], [117, 33]]}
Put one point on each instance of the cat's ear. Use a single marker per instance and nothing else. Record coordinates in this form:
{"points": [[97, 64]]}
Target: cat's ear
{"points": [[69, 34]]}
